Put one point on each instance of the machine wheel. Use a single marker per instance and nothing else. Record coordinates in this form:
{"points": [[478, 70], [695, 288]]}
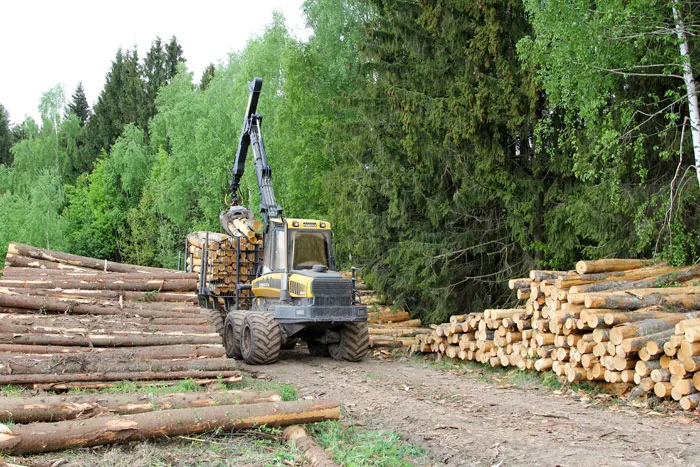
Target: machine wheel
{"points": [[232, 333], [317, 349], [261, 338], [216, 320], [353, 345]]}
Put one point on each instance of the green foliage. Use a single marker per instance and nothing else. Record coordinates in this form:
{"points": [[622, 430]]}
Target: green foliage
{"points": [[363, 447], [79, 105], [6, 137]]}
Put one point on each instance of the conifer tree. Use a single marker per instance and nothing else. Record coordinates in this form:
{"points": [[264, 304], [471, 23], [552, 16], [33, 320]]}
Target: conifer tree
{"points": [[173, 56], [79, 105], [207, 76], [6, 137]]}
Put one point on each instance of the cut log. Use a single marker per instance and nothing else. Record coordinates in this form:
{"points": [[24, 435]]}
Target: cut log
{"points": [[137, 298], [100, 385], [388, 317], [56, 408], [24, 380], [316, 456], [109, 340], [644, 328], [635, 344], [86, 363], [104, 283], [80, 261], [46, 437], [690, 401], [165, 352], [685, 297], [642, 278], [52, 274], [613, 264]]}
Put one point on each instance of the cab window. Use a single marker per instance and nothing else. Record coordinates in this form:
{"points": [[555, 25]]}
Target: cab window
{"points": [[308, 249]]}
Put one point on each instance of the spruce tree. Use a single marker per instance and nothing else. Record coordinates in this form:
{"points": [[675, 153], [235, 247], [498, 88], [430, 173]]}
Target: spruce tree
{"points": [[6, 137], [207, 76], [155, 74], [79, 105], [173, 56]]}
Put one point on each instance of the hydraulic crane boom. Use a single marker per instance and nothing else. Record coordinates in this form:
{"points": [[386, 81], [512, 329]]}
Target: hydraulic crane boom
{"points": [[251, 135]]}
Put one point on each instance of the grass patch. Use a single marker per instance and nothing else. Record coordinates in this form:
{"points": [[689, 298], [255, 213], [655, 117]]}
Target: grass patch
{"points": [[9, 390], [287, 391], [359, 446]]}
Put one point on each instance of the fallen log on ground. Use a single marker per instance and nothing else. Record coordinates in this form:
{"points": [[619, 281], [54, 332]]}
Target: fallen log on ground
{"points": [[80, 261], [51, 379], [103, 283], [316, 456], [108, 340], [46, 437], [113, 297], [94, 322], [56, 408], [164, 352], [86, 363], [141, 384]]}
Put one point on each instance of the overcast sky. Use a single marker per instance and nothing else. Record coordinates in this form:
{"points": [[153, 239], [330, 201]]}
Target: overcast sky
{"points": [[49, 42]]}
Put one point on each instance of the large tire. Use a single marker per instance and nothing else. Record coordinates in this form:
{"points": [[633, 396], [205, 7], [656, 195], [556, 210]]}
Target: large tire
{"points": [[353, 345], [215, 318], [232, 333], [261, 338]]}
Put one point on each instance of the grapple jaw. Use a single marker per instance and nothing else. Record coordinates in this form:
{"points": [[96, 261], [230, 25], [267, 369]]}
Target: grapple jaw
{"points": [[227, 217]]}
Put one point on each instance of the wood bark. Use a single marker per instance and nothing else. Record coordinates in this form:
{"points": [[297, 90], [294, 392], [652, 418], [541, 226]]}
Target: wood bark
{"points": [[92, 321], [686, 297], [313, 453], [67, 407], [80, 261], [108, 340], [55, 305], [613, 264], [644, 328], [100, 385], [32, 379], [81, 363], [104, 283], [658, 277], [164, 352], [635, 344], [113, 296], [26, 262], [20, 273], [46, 437]]}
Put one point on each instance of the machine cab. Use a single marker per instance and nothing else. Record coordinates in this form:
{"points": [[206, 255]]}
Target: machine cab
{"points": [[305, 244]]}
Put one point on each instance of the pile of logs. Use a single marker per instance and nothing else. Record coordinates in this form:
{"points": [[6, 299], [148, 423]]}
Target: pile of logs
{"points": [[50, 423], [613, 320], [229, 260], [71, 321]]}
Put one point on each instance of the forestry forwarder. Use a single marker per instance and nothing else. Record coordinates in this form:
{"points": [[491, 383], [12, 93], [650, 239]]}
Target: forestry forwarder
{"points": [[296, 294]]}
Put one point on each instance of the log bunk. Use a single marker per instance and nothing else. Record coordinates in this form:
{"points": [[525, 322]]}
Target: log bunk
{"points": [[69, 321], [620, 321]]}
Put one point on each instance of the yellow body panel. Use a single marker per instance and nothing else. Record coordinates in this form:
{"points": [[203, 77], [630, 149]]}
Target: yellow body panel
{"points": [[303, 224], [268, 286]]}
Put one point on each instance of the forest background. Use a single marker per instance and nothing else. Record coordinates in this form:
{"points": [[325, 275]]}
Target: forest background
{"points": [[452, 144]]}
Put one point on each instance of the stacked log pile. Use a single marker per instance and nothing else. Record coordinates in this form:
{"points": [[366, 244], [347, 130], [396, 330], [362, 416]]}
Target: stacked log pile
{"points": [[50, 423], [71, 321], [389, 327], [229, 260], [613, 320]]}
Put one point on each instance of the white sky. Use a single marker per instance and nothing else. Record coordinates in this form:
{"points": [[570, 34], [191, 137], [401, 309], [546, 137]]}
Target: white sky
{"points": [[49, 42]]}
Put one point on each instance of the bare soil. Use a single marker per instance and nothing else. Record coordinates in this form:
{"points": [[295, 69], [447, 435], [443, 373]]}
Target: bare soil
{"points": [[460, 419]]}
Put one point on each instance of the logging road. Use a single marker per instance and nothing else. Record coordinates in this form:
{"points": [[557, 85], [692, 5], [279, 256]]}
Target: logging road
{"points": [[462, 420]]}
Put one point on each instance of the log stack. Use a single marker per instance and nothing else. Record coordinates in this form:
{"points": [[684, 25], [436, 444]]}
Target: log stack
{"points": [[229, 260], [71, 321], [612, 320]]}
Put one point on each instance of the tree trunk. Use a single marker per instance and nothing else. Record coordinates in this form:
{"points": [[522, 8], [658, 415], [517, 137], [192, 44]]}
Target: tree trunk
{"points": [[165, 352], [644, 328], [80, 261], [316, 456], [98, 340], [635, 344], [46, 437], [613, 264], [92, 321], [104, 283], [22, 273], [82, 363], [56, 408], [689, 78], [25, 380], [55, 305], [100, 385], [688, 297]]}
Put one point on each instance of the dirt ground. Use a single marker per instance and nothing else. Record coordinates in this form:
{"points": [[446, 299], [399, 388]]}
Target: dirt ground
{"points": [[460, 419]]}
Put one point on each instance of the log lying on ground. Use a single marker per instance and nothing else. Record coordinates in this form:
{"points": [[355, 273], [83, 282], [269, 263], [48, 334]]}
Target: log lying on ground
{"points": [[389, 316], [316, 456], [80, 261], [55, 305], [46, 437], [95, 322], [113, 296], [26, 262], [164, 352], [141, 384], [29, 274], [612, 264], [51, 379], [109, 340], [106, 283], [56, 408], [82, 363]]}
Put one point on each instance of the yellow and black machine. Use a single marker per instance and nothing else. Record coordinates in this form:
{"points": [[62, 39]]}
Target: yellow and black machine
{"points": [[296, 294]]}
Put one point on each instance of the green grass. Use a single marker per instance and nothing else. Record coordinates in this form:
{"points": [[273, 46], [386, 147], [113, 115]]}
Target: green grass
{"points": [[9, 390], [287, 391], [359, 446]]}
